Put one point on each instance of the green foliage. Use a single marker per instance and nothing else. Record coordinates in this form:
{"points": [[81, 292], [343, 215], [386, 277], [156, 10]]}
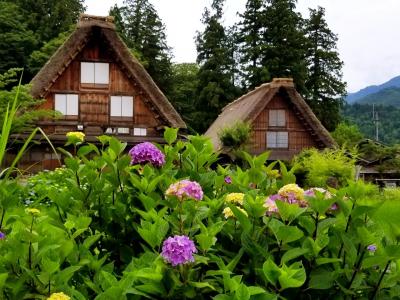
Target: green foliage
{"points": [[184, 91], [101, 222], [320, 168], [27, 25], [235, 137], [347, 135], [17, 40], [38, 58]]}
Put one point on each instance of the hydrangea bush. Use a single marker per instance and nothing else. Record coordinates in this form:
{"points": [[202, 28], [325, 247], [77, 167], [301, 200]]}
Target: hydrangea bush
{"points": [[169, 222]]}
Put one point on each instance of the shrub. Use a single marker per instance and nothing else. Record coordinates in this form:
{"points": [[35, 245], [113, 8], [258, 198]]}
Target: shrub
{"points": [[235, 137], [333, 167]]}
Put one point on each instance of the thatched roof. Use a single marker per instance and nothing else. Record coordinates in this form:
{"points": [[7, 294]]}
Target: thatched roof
{"points": [[132, 68], [248, 107]]}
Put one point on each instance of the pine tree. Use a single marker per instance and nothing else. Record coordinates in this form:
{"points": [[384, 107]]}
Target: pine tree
{"points": [[252, 44], [325, 84], [143, 31], [285, 43], [17, 41], [214, 56], [48, 18]]}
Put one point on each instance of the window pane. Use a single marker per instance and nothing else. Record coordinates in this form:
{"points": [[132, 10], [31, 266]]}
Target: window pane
{"points": [[60, 103], [87, 72], [277, 117], [140, 131], [282, 139], [272, 117], [271, 139], [281, 118], [123, 130], [101, 73], [72, 105], [115, 106], [127, 106]]}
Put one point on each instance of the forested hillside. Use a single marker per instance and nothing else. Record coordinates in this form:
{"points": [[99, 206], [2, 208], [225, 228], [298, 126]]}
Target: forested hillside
{"points": [[388, 123]]}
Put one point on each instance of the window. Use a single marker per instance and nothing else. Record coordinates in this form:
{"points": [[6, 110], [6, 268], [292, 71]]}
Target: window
{"points": [[123, 130], [95, 73], [67, 104], [121, 106], [277, 139], [140, 131], [277, 117]]}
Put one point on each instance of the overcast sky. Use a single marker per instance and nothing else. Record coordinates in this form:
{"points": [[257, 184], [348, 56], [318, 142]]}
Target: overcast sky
{"points": [[368, 30]]}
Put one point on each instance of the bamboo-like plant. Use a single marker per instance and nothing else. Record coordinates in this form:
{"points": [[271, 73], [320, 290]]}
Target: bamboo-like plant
{"points": [[5, 133]]}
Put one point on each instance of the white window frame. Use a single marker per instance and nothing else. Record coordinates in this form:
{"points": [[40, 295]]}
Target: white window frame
{"points": [[95, 73], [67, 104], [137, 131], [277, 139], [123, 130], [121, 106], [277, 118]]}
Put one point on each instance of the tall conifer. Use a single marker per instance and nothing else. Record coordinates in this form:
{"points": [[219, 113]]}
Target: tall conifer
{"points": [[252, 43], [285, 44], [143, 31], [214, 56], [325, 84]]}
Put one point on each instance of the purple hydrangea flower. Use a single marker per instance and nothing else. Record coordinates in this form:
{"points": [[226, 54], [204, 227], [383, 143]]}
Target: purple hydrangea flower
{"points": [[185, 188], [147, 152], [372, 248], [228, 180], [178, 250], [2, 236]]}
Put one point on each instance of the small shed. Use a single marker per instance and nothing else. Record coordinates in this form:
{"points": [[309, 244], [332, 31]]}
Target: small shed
{"points": [[281, 121], [99, 87]]}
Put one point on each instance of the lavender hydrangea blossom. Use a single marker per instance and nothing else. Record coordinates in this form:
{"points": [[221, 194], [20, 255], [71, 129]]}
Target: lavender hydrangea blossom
{"points": [[185, 188], [2, 236], [147, 152], [178, 250]]}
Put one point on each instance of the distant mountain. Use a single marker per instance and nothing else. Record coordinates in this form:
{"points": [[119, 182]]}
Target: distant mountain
{"points": [[354, 97], [388, 96]]}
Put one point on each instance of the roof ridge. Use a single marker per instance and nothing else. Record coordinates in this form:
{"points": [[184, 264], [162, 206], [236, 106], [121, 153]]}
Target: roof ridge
{"points": [[267, 84]]}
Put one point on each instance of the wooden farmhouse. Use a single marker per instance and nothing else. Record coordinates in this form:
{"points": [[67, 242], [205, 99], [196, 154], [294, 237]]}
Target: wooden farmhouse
{"points": [[99, 87], [281, 121]]}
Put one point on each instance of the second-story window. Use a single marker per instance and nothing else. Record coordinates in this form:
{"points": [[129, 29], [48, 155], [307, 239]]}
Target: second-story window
{"points": [[277, 118], [121, 106], [95, 73], [67, 104]]}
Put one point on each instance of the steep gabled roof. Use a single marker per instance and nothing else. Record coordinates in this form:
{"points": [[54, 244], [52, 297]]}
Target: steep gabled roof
{"points": [[248, 107], [132, 68]]}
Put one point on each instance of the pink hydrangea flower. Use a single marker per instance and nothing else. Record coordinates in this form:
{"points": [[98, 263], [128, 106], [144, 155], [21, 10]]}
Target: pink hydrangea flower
{"points": [[327, 195], [178, 250], [270, 204], [147, 153], [185, 189]]}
